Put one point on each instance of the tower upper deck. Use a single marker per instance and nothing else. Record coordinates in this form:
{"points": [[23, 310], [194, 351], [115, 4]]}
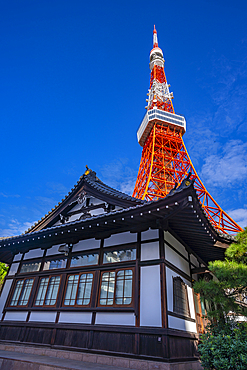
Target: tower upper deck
{"points": [[163, 118], [159, 108]]}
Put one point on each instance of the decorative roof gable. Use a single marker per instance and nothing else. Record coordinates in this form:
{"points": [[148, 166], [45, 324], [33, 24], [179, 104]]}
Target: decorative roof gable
{"points": [[89, 197]]}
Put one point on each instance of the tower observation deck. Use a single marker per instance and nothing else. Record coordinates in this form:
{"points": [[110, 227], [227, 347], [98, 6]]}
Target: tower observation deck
{"points": [[165, 162]]}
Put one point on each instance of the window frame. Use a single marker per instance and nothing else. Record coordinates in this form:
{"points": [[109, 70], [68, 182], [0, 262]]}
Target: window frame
{"points": [[66, 285], [118, 248], [184, 286], [116, 270], [82, 253], [29, 262], [16, 282], [52, 259], [38, 286]]}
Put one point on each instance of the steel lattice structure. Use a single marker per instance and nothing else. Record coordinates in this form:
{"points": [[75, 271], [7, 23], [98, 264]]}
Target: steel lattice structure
{"points": [[165, 161]]}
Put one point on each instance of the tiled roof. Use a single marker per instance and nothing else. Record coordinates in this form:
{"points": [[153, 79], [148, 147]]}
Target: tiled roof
{"points": [[90, 178], [181, 208]]}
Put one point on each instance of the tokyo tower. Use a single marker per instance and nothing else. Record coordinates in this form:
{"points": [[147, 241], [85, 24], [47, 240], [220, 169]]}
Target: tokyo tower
{"points": [[165, 161]]}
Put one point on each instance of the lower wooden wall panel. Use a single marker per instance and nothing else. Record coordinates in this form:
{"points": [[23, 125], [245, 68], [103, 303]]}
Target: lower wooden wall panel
{"points": [[38, 335], [10, 333], [113, 341], [151, 345], [72, 338], [182, 347], [143, 342]]}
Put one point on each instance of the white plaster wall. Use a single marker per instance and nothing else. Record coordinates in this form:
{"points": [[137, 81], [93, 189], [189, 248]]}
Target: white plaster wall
{"points": [[177, 260], [175, 243], [191, 302], [150, 234], [150, 296], [121, 238], [75, 217], [169, 288], [43, 316], [98, 211], [17, 257], [15, 316], [115, 318], [150, 251], [54, 250], [86, 244], [35, 253], [193, 260], [180, 324], [95, 201], [13, 269], [5, 293], [76, 317]]}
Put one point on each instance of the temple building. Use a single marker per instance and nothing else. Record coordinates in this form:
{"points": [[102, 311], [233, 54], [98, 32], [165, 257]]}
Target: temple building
{"points": [[109, 273], [104, 272]]}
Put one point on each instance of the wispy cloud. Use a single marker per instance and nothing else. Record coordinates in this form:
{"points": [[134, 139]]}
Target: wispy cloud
{"points": [[56, 188], [9, 195], [45, 201], [229, 95], [119, 175], [239, 215], [227, 168], [14, 227], [127, 187]]}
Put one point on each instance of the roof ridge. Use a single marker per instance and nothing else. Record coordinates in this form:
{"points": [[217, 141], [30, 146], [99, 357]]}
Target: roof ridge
{"points": [[90, 177]]}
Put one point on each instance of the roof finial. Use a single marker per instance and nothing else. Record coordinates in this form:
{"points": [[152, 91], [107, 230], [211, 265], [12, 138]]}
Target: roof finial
{"points": [[155, 38], [87, 172]]}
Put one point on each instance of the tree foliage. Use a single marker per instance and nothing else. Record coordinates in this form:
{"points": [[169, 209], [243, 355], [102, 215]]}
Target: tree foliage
{"points": [[228, 292], [224, 345], [3, 272]]}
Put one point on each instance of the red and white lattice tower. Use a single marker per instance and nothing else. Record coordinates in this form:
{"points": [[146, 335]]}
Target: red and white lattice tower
{"points": [[165, 161]]}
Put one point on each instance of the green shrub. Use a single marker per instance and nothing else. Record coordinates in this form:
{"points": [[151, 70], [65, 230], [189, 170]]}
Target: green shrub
{"points": [[224, 348]]}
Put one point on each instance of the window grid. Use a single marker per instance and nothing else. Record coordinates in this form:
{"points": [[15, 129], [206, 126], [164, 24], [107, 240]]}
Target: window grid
{"points": [[71, 290], [180, 297], [79, 288], [124, 287], [107, 288], [84, 289], [116, 288], [47, 292], [22, 292]]}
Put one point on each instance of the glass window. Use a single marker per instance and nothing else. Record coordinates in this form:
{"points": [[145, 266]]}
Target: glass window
{"points": [[84, 260], [107, 288], [119, 256], [59, 263], [124, 287], [203, 306], [47, 292], [116, 288], [22, 292], [78, 290], [30, 267], [180, 297]]}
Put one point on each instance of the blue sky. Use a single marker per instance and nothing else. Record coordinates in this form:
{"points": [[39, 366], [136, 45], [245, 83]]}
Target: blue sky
{"points": [[74, 78]]}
